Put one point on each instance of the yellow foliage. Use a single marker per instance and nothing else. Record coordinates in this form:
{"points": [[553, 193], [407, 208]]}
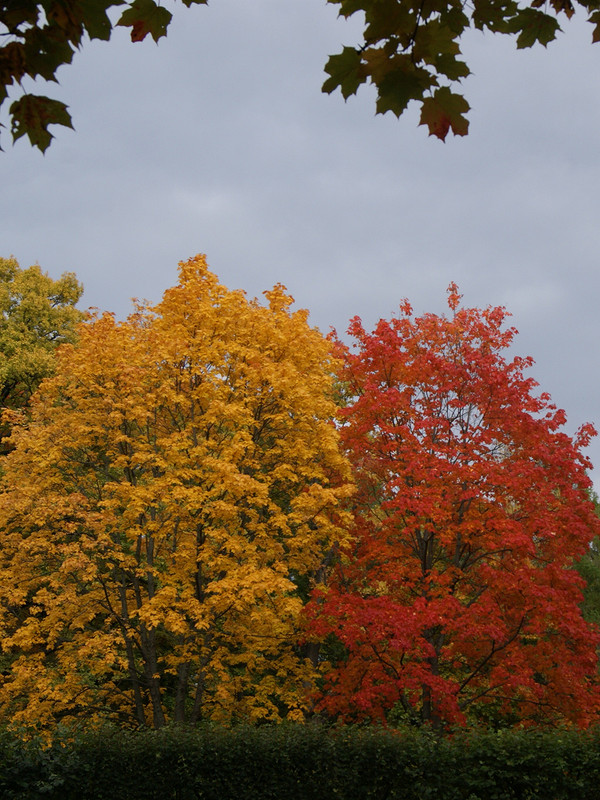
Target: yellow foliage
{"points": [[178, 482]]}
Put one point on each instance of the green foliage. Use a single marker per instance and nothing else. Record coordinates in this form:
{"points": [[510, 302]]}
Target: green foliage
{"points": [[445, 110], [344, 70], [589, 568], [37, 314], [302, 763], [533, 26], [145, 17], [32, 115]]}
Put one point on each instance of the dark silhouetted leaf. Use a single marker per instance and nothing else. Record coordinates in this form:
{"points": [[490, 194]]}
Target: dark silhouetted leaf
{"points": [[95, 18], [445, 111], [533, 26], [345, 71], [145, 17], [402, 85], [32, 114]]}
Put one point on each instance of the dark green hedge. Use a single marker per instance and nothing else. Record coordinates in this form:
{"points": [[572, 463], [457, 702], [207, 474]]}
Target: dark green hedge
{"points": [[303, 763]]}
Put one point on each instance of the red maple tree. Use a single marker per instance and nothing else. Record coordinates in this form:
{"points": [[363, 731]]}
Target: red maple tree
{"points": [[457, 598]]}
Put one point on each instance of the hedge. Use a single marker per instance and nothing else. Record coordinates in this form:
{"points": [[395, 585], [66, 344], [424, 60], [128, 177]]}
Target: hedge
{"points": [[295, 762]]}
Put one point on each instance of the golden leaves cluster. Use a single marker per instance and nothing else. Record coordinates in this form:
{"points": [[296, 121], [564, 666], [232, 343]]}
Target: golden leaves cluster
{"points": [[179, 482]]}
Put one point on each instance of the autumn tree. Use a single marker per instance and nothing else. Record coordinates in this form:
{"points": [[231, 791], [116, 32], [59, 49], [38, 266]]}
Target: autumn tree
{"points": [[37, 314], [177, 484], [457, 597], [410, 50]]}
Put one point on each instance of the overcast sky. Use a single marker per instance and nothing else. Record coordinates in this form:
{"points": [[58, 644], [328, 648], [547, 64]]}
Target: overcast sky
{"points": [[219, 140]]}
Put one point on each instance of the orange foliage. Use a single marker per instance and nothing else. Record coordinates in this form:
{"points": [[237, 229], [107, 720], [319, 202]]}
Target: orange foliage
{"points": [[178, 482]]}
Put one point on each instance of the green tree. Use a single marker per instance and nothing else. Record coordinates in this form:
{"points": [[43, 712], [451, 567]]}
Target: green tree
{"points": [[410, 49], [588, 567], [37, 314]]}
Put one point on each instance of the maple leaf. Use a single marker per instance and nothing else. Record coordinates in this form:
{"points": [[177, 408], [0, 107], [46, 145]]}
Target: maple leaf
{"points": [[533, 26], [345, 72], [595, 19], [146, 17], [402, 83], [451, 67], [33, 114], [13, 65], [444, 111], [95, 19]]}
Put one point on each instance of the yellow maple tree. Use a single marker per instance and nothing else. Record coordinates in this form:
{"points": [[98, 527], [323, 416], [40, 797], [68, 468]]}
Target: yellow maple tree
{"points": [[177, 486]]}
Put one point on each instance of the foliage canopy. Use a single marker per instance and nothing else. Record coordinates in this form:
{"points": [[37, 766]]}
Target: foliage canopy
{"points": [[183, 538], [37, 314], [456, 597], [410, 49], [172, 496]]}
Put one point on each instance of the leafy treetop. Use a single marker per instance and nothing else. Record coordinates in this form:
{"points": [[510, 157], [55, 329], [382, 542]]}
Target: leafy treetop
{"points": [[456, 598], [410, 49], [37, 314], [176, 486]]}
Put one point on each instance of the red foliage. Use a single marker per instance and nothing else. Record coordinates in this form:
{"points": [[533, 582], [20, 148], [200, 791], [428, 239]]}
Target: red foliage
{"points": [[457, 596]]}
